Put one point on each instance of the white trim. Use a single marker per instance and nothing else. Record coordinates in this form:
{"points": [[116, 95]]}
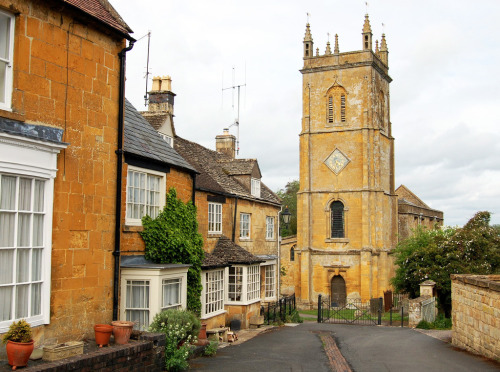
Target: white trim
{"points": [[35, 159], [255, 187], [217, 218], [205, 315], [163, 182], [7, 103], [271, 238], [247, 237], [244, 292]]}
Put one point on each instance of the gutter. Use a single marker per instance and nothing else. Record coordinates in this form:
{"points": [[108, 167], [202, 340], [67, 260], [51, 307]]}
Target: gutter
{"points": [[119, 171]]}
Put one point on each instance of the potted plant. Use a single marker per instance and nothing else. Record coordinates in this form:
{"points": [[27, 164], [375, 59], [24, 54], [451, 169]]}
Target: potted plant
{"points": [[20, 344]]}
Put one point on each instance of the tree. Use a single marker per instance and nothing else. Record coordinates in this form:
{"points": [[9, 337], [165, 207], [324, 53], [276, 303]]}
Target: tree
{"points": [[172, 237], [288, 196], [438, 253]]}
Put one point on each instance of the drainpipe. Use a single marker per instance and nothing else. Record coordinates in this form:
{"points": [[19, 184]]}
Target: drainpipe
{"points": [[279, 254], [119, 169], [193, 196], [234, 219]]}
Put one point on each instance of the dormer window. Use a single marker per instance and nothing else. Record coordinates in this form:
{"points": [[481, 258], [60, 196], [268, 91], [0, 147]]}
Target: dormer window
{"points": [[255, 191], [168, 139]]}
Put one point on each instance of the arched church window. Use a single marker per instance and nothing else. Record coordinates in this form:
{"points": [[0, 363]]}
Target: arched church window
{"points": [[336, 104], [337, 220], [292, 253]]}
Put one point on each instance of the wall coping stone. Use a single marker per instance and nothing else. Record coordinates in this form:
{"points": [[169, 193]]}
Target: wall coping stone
{"points": [[484, 281]]}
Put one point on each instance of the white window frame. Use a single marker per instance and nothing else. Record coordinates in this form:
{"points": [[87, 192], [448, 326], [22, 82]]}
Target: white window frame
{"points": [[245, 225], [250, 292], [162, 187], [171, 282], [168, 139], [255, 187], [270, 228], [146, 284], [6, 103], [214, 218], [270, 281], [213, 293], [156, 277], [31, 158]]}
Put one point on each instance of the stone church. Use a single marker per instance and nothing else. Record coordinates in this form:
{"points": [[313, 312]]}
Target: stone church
{"points": [[348, 214]]}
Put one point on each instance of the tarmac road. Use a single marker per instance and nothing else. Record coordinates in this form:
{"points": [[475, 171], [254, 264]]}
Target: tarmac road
{"points": [[307, 347]]}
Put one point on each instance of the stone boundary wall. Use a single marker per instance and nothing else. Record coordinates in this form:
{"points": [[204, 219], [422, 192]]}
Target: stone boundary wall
{"points": [[145, 355], [476, 314], [416, 312]]}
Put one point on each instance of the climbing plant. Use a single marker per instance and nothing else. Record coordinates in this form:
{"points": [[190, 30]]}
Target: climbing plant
{"points": [[172, 237]]}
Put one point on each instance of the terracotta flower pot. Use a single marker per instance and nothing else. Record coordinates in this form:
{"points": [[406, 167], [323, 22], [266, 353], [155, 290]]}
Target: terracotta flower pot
{"points": [[102, 334], [18, 353], [202, 336], [122, 330]]}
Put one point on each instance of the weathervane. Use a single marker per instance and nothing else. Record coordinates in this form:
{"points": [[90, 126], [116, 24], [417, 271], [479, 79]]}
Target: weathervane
{"points": [[308, 15]]}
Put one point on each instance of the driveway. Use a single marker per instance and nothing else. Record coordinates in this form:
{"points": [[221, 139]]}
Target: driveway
{"points": [[308, 347]]}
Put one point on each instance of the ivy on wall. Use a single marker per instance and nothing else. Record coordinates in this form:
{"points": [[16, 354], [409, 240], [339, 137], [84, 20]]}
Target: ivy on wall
{"points": [[173, 237]]}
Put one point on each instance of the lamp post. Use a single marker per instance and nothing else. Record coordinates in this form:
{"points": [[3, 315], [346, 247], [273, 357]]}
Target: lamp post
{"points": [[285, 218]]}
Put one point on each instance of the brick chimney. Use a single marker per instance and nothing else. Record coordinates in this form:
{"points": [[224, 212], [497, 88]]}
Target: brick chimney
{"points": [[161, 97], [226, 144]]}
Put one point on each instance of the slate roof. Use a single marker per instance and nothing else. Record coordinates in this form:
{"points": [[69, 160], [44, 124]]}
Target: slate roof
{"points": [[216, 170], [407, 197], [141, 139], [226, 252], [104, 12]]}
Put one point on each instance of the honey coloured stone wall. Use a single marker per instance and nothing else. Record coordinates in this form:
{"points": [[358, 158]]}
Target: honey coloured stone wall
{"points": [[476, 314], [66, 75]]}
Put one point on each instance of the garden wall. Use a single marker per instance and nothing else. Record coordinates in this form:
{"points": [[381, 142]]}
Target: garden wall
{"points": [[476, 314], [145, 355]]}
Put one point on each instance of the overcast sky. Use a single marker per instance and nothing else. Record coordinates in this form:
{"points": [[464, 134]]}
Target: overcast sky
{"points": [[442, 59]]}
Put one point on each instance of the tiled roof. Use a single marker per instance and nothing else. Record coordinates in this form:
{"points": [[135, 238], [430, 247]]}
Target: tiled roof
{"points": [[156, 119], [141, 139], [405, 193], [35, 132], [216, 169], [226, 251], [103, 11], [211, 262]]}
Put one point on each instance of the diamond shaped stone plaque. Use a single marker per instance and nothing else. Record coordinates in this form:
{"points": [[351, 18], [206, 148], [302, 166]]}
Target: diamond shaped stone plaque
{"points": [[337, 161]]}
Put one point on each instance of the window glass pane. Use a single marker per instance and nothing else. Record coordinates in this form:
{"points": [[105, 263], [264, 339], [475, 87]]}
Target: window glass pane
{"points": [[6, 266], [7, 229], [36, 299], [8, 192], [3, 73], [6, 303], [23, 230], [39, 195], [36, 265], [24, 194], [171, 292], [37, 230], [22, 297], [137, 303], [4, 36], [23, 261]]}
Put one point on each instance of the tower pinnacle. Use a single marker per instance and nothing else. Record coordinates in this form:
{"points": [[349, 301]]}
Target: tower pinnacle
{"points": [[384, 52], [308, 43], [336, 49], [367, 34]]}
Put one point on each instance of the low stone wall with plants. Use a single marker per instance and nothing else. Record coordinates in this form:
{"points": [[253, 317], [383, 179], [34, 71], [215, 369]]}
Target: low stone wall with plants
{"points": [[145, 355], [475, 314]]}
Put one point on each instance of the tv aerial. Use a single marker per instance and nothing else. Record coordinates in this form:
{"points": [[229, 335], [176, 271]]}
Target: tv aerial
{"points": [[236, 123]]}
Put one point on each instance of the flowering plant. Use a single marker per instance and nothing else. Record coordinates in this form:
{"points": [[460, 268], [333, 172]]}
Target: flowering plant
{"points": [[181, 328]]}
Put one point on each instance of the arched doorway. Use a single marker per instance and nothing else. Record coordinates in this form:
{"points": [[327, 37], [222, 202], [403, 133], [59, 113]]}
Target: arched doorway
{"points": [[338, 292]]}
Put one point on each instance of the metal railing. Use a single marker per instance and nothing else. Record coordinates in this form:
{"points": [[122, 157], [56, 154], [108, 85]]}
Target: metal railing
{"points": [[351, 311], [279, 310]]}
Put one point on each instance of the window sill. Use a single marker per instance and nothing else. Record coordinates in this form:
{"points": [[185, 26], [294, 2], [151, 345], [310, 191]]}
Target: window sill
{"points": [[271, 240], [132, 228], [245, 240], [211, 315], [337, 240], [241, 303], [9, 114], [214, 235]]}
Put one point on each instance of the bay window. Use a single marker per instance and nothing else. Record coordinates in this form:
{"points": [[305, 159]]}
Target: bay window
{"points": [[243, 284], [212, 299]]}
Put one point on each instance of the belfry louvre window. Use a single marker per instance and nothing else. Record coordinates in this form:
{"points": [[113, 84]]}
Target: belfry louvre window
{"points": [[336, 105], [337, 220]]}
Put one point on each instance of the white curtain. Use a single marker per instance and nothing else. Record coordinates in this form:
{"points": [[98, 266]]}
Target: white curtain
{"points": [[22, 301], [5, 304], [171, 292], [137, 298]]}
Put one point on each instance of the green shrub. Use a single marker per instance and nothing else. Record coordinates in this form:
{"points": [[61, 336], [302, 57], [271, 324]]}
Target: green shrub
{"points": [[424, 324], [441, 322], [18, 332], [211, 349], [294, 317], [181, 327]]}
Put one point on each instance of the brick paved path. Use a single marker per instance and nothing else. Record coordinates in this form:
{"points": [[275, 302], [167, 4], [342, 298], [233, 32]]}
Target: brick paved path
{"points": [[337, 361]]}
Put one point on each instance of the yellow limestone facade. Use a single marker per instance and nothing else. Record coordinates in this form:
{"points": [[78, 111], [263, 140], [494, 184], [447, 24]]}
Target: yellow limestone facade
{"points": [[347, 207]]}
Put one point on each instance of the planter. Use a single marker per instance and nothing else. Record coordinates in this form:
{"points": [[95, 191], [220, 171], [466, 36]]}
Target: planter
{"points": [[202, 336], [122, 330], [102, 334], [18, 353], [62, 351]]}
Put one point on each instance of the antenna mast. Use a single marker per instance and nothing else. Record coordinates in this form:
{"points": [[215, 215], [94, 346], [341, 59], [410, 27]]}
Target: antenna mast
{"points": [[147, 72], [237, 120]]}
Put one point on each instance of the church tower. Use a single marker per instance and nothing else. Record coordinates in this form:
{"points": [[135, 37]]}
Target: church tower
{"points": [[347, 208]]}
